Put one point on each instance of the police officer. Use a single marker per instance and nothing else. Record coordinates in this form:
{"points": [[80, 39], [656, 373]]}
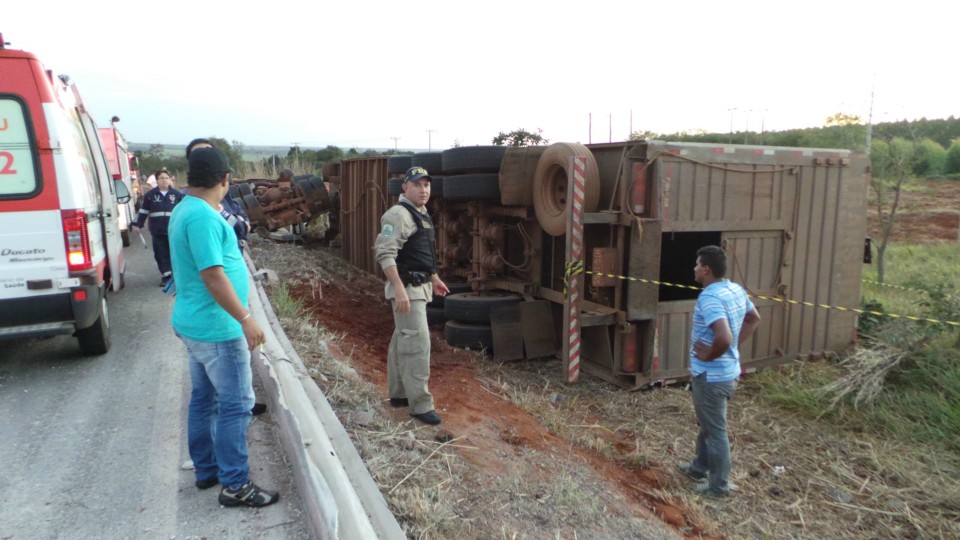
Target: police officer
{"points": [[157, 205], [406, 250]]}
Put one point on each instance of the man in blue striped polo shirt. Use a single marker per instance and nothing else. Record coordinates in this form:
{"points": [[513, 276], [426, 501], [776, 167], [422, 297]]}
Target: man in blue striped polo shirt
{"points": [[723, 318]]}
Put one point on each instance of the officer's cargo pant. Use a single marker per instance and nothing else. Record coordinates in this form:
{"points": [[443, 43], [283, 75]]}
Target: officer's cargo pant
{"points": [[408, 359]]}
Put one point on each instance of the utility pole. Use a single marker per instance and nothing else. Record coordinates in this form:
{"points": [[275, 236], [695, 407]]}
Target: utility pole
{"points": [[395, 139], [590, 128], [430, 138], [746, 124], [610, 127], [870, 125], [731, 110]]}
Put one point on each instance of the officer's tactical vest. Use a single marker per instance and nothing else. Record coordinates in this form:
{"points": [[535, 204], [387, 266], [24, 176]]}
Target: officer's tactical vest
{"points": [[419, 253]]}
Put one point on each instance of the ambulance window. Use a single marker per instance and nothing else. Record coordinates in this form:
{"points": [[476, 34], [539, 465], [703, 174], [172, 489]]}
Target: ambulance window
{"points": [[18, 175], [83, 151]]}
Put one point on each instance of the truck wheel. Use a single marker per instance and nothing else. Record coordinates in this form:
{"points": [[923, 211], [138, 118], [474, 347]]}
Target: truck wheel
{"points": [[473, 159], [471, 187], [436, 187], [394, 186], [234, 192], [435, 316], [550, 185], [398, 164], [455, 288], [431, 161], [321, 189], [474, 307], [468, 336], [95, 340], [245, 189], [254, 210], [125, 237]]}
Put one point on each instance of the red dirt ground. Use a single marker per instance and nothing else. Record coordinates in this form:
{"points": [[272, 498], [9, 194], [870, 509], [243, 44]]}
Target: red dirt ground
{"points": [[928, 214], [492, 424]]}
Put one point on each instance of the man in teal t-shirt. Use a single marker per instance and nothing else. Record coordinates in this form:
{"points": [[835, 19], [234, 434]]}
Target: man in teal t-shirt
{"points": [[210, 316]]}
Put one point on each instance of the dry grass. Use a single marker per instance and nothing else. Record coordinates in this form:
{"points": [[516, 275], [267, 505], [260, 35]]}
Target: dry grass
{"points": [[796, 477]]}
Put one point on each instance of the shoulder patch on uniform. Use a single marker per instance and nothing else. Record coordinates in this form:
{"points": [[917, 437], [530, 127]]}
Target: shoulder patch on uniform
{"points": [[387, 230]]}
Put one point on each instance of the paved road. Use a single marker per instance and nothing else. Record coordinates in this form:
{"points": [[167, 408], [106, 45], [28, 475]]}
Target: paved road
{"points": [[93, 447]]}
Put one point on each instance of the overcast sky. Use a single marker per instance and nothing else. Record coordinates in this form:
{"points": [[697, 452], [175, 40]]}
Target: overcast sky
{"points": [[361, 73]]}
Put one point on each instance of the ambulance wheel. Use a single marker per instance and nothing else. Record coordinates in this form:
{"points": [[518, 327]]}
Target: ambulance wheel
{"points": [[468, 336], [550, 185], [95, 340], [125, 238]]}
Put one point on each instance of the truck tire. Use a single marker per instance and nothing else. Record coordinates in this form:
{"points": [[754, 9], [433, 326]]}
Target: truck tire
{"points": [[473, 159], [254, 210], [436, 187], [435, 315], [550, 185], [95, 340], [234, 192], [125, 238], [245, 189], [321, 191], [431, 161], [398, 164], [471, 187], [468, 336], [474, 307], [394, 186], [455, 288]]}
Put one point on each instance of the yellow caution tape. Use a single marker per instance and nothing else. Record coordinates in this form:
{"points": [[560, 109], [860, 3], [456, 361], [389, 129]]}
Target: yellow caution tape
{"points": [[902, 288], [573, 268], [773, 298]]}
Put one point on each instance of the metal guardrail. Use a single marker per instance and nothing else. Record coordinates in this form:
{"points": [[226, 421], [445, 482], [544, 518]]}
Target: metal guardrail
{"points": [[340, 497]]}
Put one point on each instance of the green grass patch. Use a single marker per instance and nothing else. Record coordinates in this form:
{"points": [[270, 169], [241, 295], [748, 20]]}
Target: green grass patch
{"points": [[916, 365], [284, 304]]}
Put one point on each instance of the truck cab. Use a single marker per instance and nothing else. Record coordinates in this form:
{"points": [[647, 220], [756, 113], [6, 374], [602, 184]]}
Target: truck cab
{"points": [[60, 245]]}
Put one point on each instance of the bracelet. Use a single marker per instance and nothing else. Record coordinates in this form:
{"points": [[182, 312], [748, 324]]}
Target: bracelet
{"points": [[247, 316]]}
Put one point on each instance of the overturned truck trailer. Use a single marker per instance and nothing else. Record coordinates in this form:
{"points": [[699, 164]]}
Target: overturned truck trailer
{"points": [[792, 221]]}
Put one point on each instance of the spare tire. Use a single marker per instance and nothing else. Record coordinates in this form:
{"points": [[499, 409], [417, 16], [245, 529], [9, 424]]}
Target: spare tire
{"points": [[398, 164], [550, 185], [474, 307], [473, 159], [468, 336], [431, 161], [471, 187]]}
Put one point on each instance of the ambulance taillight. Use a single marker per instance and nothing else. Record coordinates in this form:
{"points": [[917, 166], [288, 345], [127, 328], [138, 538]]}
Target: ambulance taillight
{"points": [[77, 240]]}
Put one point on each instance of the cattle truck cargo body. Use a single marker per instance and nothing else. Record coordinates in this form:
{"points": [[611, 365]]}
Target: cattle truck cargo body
{"points": [[792, 221]]}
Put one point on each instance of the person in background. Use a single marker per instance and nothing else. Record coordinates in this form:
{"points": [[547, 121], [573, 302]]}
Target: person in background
{"points": [[406, 250], [211, 317], [723, 318], [157, 205]]}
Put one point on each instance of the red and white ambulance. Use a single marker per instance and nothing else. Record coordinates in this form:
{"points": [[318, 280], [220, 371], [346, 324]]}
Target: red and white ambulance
{"points": [[60, 245], [120, 162]]}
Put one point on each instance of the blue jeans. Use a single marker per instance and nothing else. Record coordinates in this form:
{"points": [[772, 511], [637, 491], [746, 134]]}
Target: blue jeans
{"points": [[713, 445], [220, 404]]}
